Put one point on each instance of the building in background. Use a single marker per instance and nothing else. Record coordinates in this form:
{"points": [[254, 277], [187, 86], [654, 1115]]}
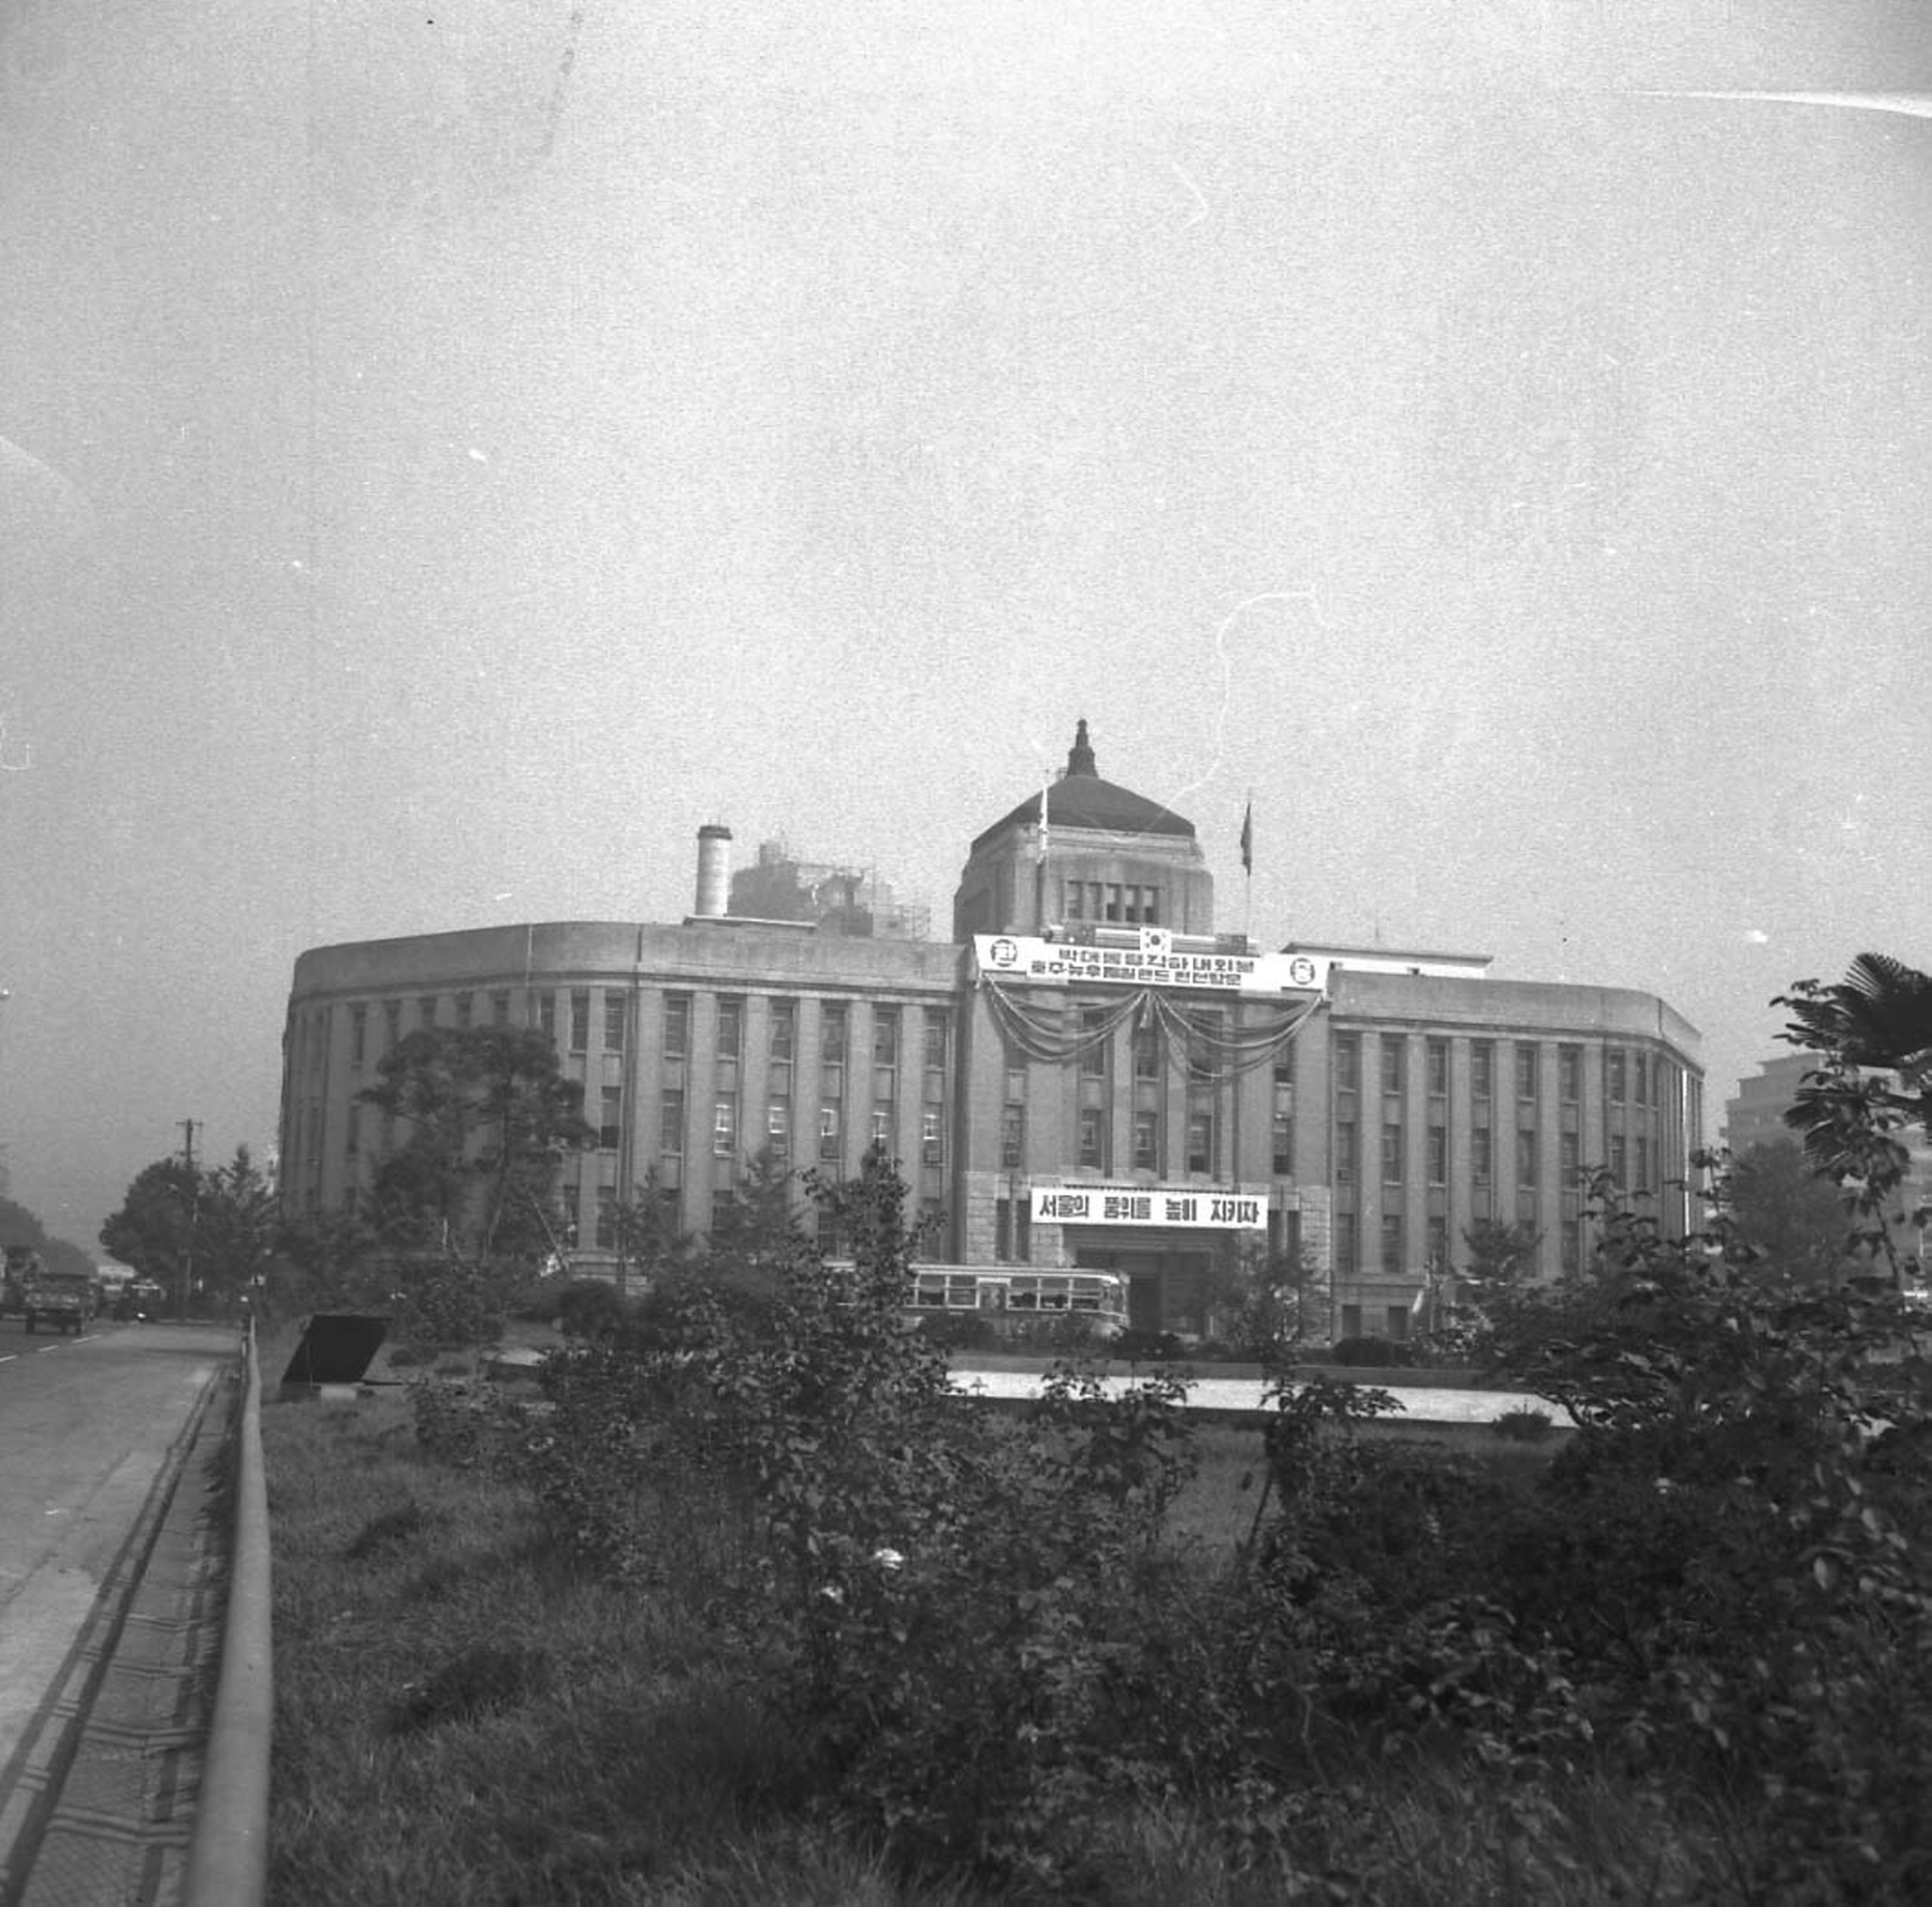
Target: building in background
{"points": [[836, 898], [1088, 1074], [1755, 1116]]}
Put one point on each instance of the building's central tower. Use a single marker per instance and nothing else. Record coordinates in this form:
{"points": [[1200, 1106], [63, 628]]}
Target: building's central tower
{"points": [[1099, 853]]}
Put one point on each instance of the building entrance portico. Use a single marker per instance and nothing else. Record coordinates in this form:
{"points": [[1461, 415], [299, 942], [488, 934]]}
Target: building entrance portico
{"points": [[1167, 1277]]}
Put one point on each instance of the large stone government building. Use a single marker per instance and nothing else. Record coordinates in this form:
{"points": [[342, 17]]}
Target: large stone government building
{"points": [[1088, 1074]]}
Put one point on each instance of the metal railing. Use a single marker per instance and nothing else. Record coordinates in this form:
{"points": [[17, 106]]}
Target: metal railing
{"points": [[228, 1856]]}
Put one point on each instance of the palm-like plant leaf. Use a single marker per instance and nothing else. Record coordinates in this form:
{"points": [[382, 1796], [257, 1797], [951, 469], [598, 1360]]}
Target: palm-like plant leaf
{"points": [[1879, 1015]]}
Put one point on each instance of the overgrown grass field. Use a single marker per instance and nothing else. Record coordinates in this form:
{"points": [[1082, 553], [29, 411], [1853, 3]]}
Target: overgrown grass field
{"points": [[465, 1713], [462, 1716]]}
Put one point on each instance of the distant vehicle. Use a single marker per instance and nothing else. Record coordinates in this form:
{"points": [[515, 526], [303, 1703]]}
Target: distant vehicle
{"points": [[1008, 1296], [23, 1262], [63, 1299], [139, 1298]]}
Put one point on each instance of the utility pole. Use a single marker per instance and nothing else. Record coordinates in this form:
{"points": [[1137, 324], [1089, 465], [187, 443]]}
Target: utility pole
{"points": [[6, 1177], [187, 1127]]}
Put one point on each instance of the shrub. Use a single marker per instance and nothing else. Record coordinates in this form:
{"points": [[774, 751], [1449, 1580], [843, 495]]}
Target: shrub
{"points": [[1063, 1332], [958, 1331], [540, 1303], [1141, 1346], [467, 1423], [983, 1641], [1524, 1426], [1758, 1604], [1373, 1352], [1218, 1351], [590, 1308], [448, 1306]]}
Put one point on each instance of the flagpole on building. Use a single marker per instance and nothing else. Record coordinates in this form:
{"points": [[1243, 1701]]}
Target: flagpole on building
{"points": [[1247, 921], [1248, 868], [1040, 872]]}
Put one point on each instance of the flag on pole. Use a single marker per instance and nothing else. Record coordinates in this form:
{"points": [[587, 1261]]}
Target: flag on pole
{"points": [[1248, 838]]}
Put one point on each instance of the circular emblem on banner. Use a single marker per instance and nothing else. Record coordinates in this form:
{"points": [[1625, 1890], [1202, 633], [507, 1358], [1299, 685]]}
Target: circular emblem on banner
{"points": [[1301, 971], [1005, 952]]}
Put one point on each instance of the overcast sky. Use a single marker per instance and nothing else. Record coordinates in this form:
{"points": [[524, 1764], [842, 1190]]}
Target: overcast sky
{"points": [[449, 452]]}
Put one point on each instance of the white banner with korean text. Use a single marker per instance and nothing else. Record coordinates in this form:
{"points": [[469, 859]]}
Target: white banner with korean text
{"points": [[1154, 962], [1149, 1204]]}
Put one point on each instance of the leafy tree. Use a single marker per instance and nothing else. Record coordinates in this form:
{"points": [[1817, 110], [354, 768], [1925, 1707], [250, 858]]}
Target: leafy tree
{"points": [[1268, 1303], [1878, 1017], [756, 1236], [19, 1227], [490, 1119], [237, 1224], [208, 1232], [1500, 1256], [651, 1244], [1463, 1307], [1872, 1034], [154, 1227], [1787, 1208], [329, 1261]]}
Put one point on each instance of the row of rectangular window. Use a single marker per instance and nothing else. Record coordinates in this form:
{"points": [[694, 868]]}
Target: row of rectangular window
{"points": [[1094, 1123], [1393, 1244], [1621, 1071], [1110, 901], [778, 1134], [783, 1032], [781, 1035], [1393, 1256], [1633, 1077], [1570, 1165]]}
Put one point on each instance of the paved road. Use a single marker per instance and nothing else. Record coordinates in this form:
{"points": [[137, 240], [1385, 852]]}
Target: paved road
{"points": [[1421, 1403], [85, 1426]]}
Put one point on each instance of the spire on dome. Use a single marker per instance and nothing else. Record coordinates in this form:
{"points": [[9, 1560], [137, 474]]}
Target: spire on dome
{"points": [[1080, 756]]}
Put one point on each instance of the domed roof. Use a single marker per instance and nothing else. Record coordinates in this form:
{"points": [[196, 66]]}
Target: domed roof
{"points": [[1080, 799]]}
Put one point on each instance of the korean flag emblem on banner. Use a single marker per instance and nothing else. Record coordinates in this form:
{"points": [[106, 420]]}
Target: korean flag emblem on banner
{"points": [[1158, 941]]}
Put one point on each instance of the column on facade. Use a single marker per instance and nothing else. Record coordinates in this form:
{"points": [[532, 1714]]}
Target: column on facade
{"points": [[1119, 1121], [1415, 1154], [700, 1081], [644, 1074], [1369, 1187], [754, 1084], [1251, 1117], [807, 1063], [328, 1183], [1460, 1204], [1549, 1150]]}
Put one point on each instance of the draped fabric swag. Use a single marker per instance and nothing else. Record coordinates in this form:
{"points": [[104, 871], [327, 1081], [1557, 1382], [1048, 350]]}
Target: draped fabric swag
{"points": [[1210, 1040]]}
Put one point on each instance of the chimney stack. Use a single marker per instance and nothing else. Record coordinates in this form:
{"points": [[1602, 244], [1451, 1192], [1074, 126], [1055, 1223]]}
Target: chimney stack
{"points": [[714, 873]]}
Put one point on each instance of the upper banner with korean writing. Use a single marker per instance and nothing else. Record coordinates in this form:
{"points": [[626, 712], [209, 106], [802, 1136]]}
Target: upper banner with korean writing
{"points": [[1154, 962], [1149, 1204]]}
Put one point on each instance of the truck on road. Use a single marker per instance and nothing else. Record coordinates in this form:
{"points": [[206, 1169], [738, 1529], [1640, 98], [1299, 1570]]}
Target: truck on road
{"points": [[66, 1300], [21, 1261]]}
